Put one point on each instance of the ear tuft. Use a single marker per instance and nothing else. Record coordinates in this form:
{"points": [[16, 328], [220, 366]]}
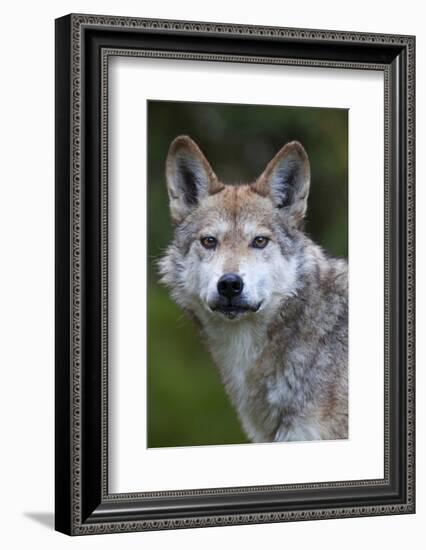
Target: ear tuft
{"points": [[286, 181], [189, 176]]}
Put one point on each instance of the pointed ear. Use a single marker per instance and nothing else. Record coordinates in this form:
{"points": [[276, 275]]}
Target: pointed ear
{"points": [[189, 176], [286, 181]]}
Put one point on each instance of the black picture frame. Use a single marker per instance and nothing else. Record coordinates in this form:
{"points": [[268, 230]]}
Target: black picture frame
{"points": [[83, 45]]}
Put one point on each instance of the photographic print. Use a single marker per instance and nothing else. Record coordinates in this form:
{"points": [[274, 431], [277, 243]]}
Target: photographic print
{"points": [[248, 273]]}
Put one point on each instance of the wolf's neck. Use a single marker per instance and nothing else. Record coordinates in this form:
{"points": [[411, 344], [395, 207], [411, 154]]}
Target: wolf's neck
{"points": [[236, 347]]}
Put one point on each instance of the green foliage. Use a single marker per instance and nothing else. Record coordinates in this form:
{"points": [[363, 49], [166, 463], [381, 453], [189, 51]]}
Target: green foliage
{"points": [[186, 401]]}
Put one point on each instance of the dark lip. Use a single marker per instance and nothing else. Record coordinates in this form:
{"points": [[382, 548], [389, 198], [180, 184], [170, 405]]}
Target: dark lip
{"points": [[232, 310]]}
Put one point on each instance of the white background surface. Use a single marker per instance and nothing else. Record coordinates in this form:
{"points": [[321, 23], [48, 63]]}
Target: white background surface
{"points": [[26, 305], [361, 455]]}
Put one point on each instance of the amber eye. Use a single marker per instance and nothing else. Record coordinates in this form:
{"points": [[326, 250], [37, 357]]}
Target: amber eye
{"points": [[260, 242], [208, 242]]}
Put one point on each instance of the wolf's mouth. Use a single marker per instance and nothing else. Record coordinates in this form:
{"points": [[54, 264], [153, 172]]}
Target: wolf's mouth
{"points": [[233, 310]]}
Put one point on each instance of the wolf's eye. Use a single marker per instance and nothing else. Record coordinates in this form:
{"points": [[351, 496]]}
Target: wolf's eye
{"points": [[260, 242], [208, 242]]}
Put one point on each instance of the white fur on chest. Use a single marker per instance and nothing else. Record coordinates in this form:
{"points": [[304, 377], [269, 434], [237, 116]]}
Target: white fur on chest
{"points": [[235, 349]]}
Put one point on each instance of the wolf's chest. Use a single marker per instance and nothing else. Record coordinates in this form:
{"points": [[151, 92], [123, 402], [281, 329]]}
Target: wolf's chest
{"points": [[262, 384], [236, 350], [240, 355]]}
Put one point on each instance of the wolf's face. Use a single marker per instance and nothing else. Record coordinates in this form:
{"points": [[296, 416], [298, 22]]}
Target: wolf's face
{"points": [[235, 251]]}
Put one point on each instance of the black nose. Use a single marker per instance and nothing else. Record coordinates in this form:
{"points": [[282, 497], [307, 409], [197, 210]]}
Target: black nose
{"points": [[230, 285]]}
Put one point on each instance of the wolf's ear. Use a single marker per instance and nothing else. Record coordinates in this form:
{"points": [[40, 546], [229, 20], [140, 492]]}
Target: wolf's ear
{"points": [[189, 176], [286, 181]]}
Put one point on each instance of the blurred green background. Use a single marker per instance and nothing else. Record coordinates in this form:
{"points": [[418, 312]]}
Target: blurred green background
{"points": [[187, 404]]}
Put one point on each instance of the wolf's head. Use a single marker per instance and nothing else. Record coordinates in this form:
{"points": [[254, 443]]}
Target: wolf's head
{"points": [[234, 253]]}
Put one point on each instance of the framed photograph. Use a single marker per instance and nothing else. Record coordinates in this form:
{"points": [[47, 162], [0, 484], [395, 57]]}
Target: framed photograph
{"points": [[234, 274]]}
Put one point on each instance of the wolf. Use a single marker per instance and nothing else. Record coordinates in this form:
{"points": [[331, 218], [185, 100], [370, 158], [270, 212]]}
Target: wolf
{"points": [[271, 305]]}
